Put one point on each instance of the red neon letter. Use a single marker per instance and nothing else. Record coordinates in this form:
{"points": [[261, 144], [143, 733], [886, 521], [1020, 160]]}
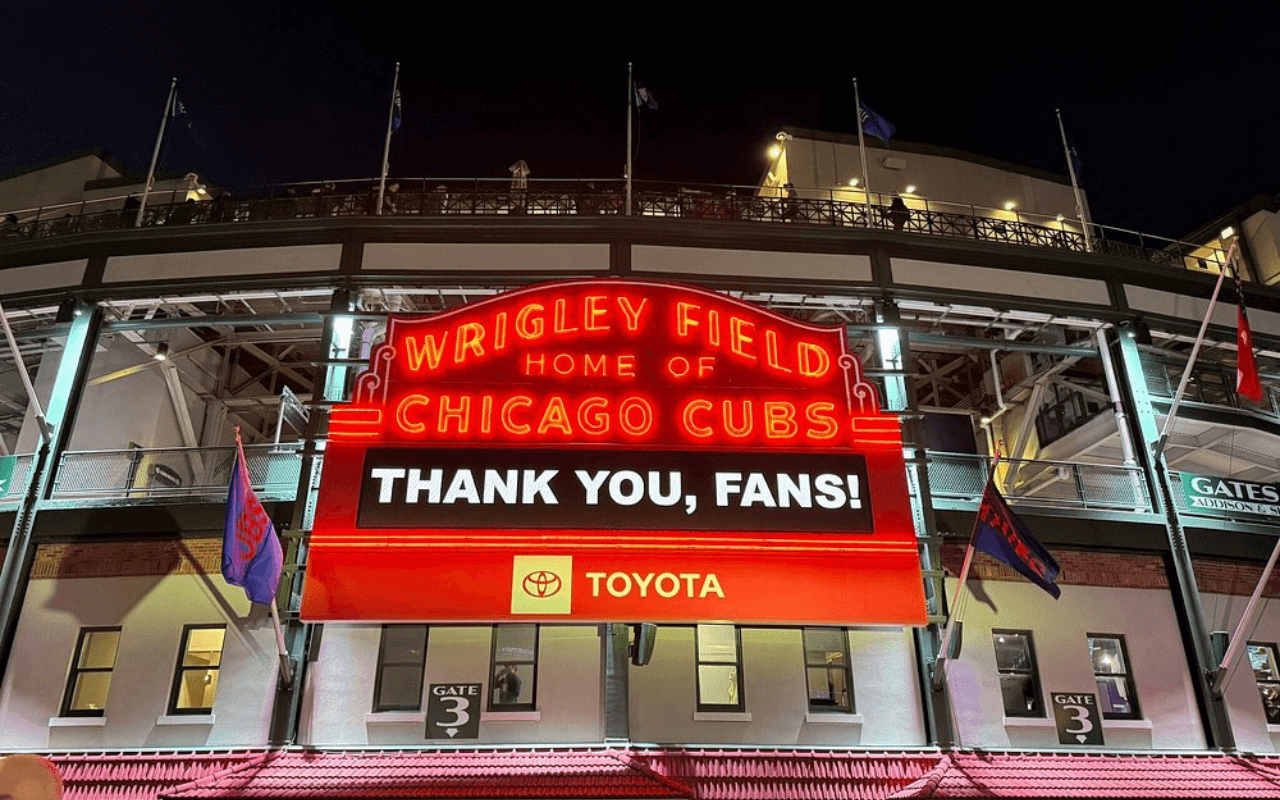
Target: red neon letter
{"points": [[591, 310], [814, 361], [561, 312], [591, 421], [555, 416], [819, 414], [740, 431], [511, 426], [646, 416], [460, 414], [684, 318], [771, 351], [402, 413], [427, 349], [526, 329], [738, 336], [470, 337], [690, 424], [631, 314], [780, 420]]}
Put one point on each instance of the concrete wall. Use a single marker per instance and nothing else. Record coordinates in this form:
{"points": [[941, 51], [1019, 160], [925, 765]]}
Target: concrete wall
{"points": [[337, 709], [1145, 617], [151, 612]]}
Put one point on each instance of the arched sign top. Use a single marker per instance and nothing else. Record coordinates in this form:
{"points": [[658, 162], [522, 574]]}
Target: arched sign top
{"points": [[653, 363]]}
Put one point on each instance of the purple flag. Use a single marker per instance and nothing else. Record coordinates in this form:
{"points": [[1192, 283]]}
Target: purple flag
{"points": [[251, 554], [1002, 535]]}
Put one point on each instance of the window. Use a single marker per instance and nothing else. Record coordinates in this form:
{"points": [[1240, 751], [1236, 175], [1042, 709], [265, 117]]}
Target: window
{"points": [[90, 680], [514, 668], [1112, 671], [1019, 679], [719, 656], [827, 669], [402, 659], [195, 683], [1262, 658]]}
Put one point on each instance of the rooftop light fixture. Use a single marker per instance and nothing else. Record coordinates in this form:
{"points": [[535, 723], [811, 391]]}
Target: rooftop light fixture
{"points": [[1010, 205], [1060, 218], [162, 352], [775, 151], [1227, 233], [853, 181], [911, 188]]}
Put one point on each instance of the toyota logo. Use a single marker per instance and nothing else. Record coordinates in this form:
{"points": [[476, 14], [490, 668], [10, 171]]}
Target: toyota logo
{"points": [[541, 584]]}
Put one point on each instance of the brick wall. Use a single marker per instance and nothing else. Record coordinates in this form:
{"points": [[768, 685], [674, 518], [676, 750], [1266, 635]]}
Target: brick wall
{"points": [[128, 559], [1122, 570]]}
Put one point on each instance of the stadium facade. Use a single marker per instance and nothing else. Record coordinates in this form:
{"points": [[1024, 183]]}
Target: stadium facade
{"points": [[826, 367]]}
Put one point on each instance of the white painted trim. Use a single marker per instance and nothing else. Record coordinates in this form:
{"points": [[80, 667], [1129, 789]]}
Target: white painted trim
{"points": [[511, 716], [1133, 724], [395, 718], [722, 716], [833, 719], [1028, 722], [77, 722], [185, 719]]}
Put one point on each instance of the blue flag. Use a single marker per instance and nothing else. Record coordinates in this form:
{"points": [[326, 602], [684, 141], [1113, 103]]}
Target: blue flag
{"points": [[876, 125], [1000, 534], [251, 554], [645, 98], [396, 111]]}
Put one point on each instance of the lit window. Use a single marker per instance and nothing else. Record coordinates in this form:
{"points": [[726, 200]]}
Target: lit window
{"points": [[90, 680], [1112, 671], [195, 683], [514, 668], [1019, 679], [402, 657], [827, 669], [1262, 658], [719, 656]]}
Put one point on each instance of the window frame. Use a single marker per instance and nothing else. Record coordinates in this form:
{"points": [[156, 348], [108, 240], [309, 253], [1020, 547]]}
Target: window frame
{"points": [[175, 690], [382, 664], [1136, 712], [76, 671], [698, 663], [1033, 671], [846, 668], [531, 674], [1275, 659]]}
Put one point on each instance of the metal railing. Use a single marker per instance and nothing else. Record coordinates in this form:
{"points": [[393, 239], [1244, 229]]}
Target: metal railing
{"points": [[1211, 383], [13, 489], [1055, 484], [142, 473], [444, 198]]}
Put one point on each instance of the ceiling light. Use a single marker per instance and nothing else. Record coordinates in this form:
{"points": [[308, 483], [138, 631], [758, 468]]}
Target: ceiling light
{"points": [[162, 352], [775, 151], [1010, 205], [1060, 218], [911, 188], [853, 181], [1227, 233]]}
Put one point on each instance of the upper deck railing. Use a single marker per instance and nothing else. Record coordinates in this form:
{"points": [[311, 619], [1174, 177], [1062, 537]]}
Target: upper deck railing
{"points": [[452, 198]]}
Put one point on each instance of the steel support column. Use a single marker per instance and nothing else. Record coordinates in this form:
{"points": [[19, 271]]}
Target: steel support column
{"points": [[299, 637], [1186, 595], [68, 384], [894, 351]]}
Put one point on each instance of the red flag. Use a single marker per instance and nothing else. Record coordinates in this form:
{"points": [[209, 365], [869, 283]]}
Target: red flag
{"points": [[1247, 384]]}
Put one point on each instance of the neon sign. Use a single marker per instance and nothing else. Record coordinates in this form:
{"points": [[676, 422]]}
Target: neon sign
{"points": [[577, 419]]}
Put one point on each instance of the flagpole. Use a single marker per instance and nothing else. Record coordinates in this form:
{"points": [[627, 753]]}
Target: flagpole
{"points": [[939, 664], [386, 148], [1075, 183], [1195, 351], [862, 143], [155, 154], [286, 664], [631, 90]]}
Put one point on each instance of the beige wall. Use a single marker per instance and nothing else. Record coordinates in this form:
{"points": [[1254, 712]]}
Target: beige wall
{"points": [[60, 183]]}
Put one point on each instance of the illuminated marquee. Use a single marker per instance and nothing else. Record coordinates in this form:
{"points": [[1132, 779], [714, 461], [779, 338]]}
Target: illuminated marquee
{"points": [[614, 430]]}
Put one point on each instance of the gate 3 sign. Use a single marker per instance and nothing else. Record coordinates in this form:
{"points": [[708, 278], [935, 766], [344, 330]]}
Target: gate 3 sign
{"points": [[613, 450]]}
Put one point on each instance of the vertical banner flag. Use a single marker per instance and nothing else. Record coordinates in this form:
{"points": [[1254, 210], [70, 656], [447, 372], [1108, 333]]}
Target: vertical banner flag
{"points": [[1001, 535], [876, 125], [397, 111], [251, 554], [645, 98], [1247, 383]]}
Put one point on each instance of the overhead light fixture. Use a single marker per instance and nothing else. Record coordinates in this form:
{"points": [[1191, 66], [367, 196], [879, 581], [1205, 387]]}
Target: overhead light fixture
{"points": [[911, 188], [1227, 233], [853, 181], [162, 352], [1010, 205], [775, 151], [1060, 218]]}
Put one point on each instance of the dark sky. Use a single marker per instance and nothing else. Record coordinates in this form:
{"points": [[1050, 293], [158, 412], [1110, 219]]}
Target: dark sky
{"points": [[1176, 115]]}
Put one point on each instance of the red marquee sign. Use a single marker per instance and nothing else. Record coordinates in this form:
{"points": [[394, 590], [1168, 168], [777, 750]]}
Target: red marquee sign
{"points": [[613, 450]]}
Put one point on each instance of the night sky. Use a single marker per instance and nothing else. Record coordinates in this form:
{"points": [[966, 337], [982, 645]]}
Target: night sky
{"points": [[1176, 117]]}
